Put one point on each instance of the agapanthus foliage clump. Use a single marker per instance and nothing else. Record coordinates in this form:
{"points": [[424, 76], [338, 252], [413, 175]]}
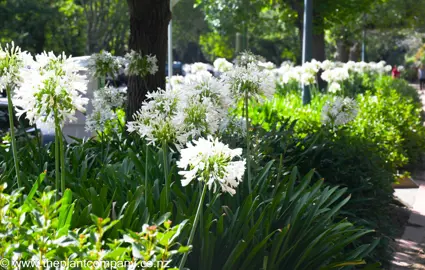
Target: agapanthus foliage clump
{"points": [[212, 162], [138, 64]]}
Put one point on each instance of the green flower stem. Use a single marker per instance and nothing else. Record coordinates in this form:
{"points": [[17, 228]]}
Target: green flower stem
{"points": [[101, 81], [12, 136], [57, 160], [59, 157], [195, 224], [146, 174], [167, 186], [62, 161], [248, 143]]}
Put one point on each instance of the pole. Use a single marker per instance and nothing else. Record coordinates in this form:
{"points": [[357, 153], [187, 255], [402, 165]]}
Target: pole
{"points": [[170, 45], [307, 40], [364, 46]]}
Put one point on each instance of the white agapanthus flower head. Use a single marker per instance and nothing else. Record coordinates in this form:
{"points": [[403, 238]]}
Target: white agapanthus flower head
{"points": [[104, 64], [51, 91], [99, 119], [334, 87], [206, 86], [12, 64], [176, 116], [338, 74], [198, 67], [339, 112], [325, 65], [400, 68], [250, 79], [105, 101], [140, 65], [222, 65], [212, 162], [109, 97], [267, 65]]}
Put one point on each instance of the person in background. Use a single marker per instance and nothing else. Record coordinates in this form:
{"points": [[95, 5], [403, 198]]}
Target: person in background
{"points": [[421, 77], [395, 73]]}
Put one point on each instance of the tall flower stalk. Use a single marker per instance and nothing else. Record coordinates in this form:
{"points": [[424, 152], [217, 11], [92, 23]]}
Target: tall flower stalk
{"points": [[12, 135], [248, 142], [12, 62], [52, 93], [250, 79], [211, 163]]}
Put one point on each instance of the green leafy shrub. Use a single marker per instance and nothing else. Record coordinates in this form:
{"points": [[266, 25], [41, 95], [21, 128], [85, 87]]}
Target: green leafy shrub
{"points": [[39, 230]]}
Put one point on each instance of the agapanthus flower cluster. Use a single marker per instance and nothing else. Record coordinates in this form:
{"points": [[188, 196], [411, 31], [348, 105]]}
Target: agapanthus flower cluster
{"points": [[104, 64], [335, 77], [156, 120], [333, 72], [188, 110], [250, 79], [105, 101], [212, 162], [140, 65], [222, 65], [52, 90], [339, 112], [12, 61]]}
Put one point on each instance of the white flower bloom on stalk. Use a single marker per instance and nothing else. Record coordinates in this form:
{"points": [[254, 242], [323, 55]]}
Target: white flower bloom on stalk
{"points": [[98, 119], [339, 112], [388, 68], [198, 67], [250, 79], [326, 65], [176, 116], [139, 65], [206, 86], [267, 65], [199, 117], [222, 65], [53, 89], [109, 97], [105, 101], [334, 87], [210, 161], [335, 75], [400, 68], [103, 64], [13, 63]]}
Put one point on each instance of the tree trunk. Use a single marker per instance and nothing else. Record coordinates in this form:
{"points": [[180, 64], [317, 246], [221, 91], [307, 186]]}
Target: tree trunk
{"points": [[318, 38], [149, 21], [342, 51], [355, 52]]}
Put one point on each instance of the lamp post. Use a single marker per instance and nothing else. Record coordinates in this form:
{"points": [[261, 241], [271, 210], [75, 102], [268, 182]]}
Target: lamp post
{"points": [[170, 40], [307, 40], [170, 44], [364, 46]]}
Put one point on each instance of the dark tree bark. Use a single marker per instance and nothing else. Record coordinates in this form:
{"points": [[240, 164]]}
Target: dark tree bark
{"points": [[355, 52], [343, 51], [148, 34], [318, 37]]}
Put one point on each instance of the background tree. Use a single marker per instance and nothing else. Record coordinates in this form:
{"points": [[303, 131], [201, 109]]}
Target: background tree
{"points": [[107, 25], [149, 21]]}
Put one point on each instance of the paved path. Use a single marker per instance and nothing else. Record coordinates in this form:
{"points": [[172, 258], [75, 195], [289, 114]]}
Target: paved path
{"points": [[410, 247]]}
